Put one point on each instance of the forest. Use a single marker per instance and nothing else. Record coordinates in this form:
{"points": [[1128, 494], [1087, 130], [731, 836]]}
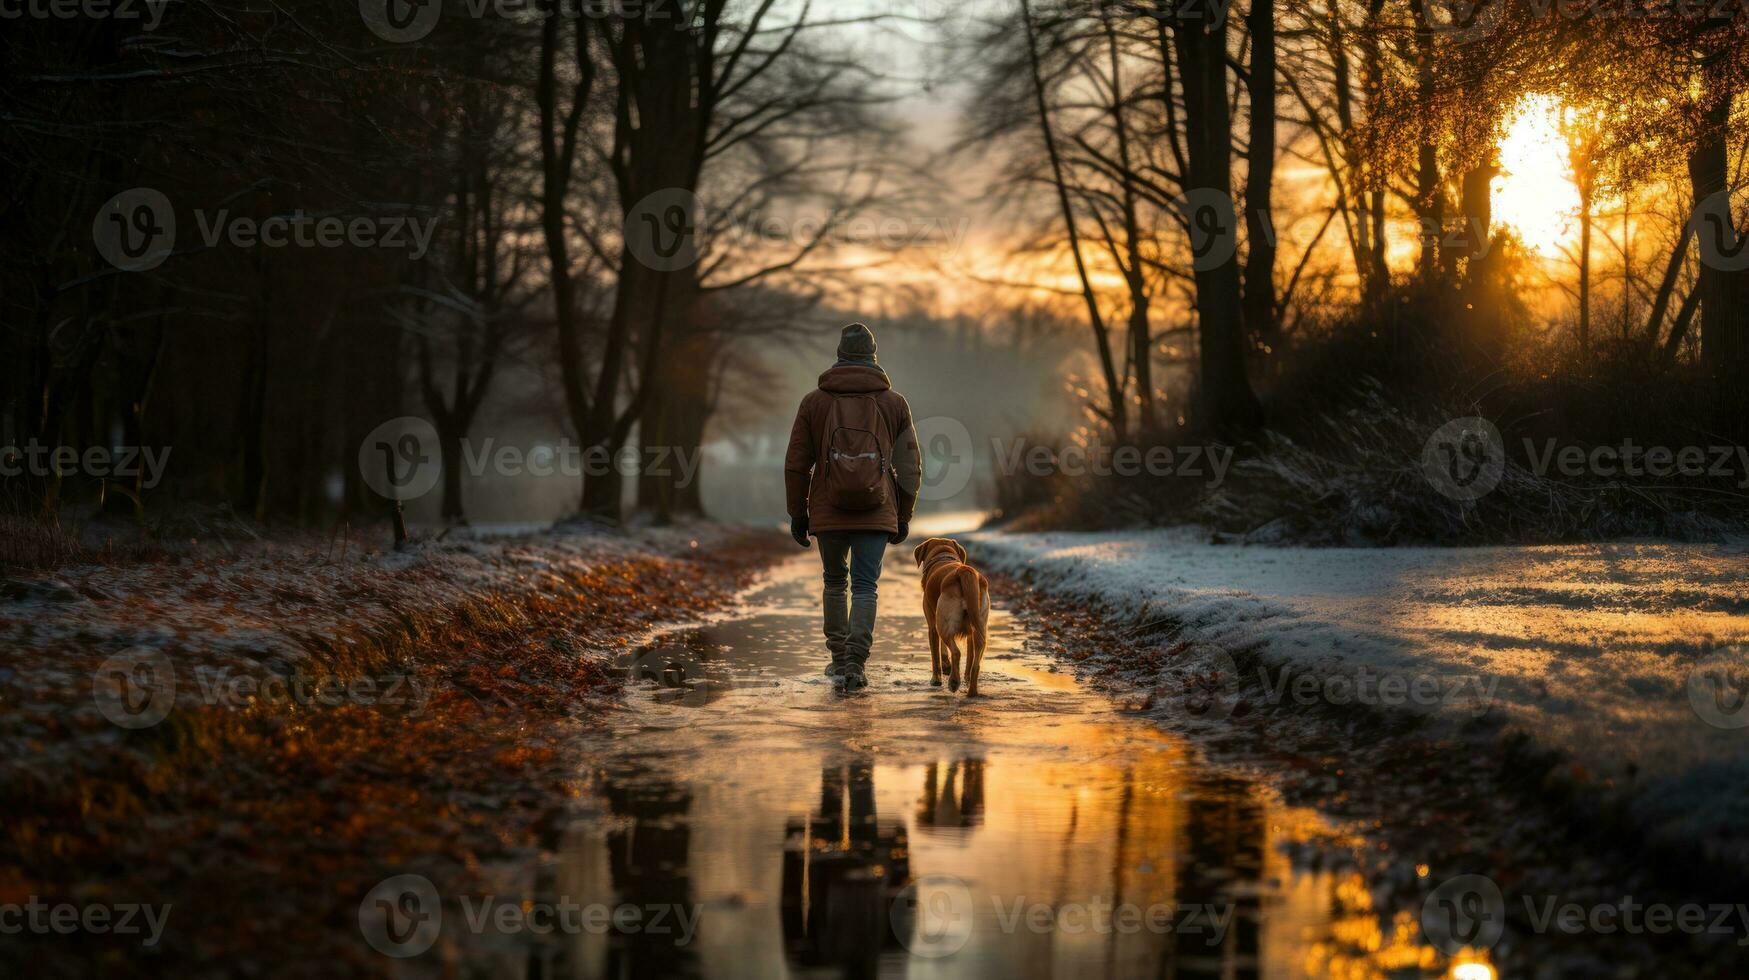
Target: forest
{"points": [[247, 236]]}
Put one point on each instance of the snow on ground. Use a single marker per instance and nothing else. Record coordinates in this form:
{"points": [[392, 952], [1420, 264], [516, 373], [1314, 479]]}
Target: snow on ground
{"points": [[1606, 653], [258, 610]]}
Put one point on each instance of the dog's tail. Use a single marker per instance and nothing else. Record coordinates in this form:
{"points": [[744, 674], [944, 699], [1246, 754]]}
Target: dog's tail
{"points": [[971, 587]]}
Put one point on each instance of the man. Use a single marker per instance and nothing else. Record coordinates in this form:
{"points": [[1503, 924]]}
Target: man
{"points": [[850, 480]]}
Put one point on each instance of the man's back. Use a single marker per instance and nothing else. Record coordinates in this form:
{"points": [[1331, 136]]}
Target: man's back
{"points": [[853, 489], [804, 480]]}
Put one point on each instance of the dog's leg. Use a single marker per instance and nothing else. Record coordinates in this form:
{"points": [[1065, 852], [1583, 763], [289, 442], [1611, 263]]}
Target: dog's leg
{"points": [[953, 674], [974, 660], [975, 645], [934, 656]]}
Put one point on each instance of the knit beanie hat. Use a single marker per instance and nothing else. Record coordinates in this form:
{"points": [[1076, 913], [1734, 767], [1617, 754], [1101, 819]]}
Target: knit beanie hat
{"points": [[856, 343]]}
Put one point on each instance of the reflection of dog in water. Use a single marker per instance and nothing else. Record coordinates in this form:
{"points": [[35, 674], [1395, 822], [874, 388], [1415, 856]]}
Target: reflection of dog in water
{"points": [[842, 868], [956, 802]]}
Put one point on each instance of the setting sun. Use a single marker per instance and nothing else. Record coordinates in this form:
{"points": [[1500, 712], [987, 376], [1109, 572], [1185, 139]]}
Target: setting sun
{"points": [[1534, 192]]}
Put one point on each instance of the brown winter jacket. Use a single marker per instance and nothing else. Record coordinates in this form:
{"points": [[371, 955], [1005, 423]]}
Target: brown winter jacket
{"points": [[807, 440]]}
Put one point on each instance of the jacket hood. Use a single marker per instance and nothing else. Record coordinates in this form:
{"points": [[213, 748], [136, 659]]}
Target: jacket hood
{"points": [[854, 379]]}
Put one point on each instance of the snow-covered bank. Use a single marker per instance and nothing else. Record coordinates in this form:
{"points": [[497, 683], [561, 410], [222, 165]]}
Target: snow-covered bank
{"points": [[245, 734], [1605, 654], [280, 608]]}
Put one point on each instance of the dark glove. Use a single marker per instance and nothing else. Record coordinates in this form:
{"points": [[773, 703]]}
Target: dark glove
{"points": [[899, 536], [798, 529]]}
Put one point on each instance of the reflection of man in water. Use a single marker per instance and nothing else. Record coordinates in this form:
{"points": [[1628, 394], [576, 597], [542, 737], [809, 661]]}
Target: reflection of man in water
{"points": [[842, 868], [647, 859], [1226, 836]]}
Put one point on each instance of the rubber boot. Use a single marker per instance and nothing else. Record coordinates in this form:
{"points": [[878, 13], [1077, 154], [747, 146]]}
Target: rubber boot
{"points": [[859, 642], [837, 629]]}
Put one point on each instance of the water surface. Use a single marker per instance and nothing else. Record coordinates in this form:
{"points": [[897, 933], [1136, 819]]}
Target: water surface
{"points": [[904, 831]]}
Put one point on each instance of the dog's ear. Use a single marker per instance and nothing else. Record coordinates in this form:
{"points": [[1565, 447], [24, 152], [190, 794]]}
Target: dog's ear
{"points": [[917, 553], [959, 548]]}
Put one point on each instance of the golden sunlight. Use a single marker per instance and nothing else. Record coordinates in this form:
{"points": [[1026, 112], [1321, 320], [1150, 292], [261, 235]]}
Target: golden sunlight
{"points": [[1534, 192]]}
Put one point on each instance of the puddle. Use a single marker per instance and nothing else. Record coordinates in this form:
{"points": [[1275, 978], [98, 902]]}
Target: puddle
{"points": [[790, 830]]}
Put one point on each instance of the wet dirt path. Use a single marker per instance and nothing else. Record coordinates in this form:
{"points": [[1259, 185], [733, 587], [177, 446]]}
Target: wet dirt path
{"points": [[790, 830]]}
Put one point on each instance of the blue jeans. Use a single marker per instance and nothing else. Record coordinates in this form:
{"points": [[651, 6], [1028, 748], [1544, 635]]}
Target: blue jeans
{"points": [[851, 559]]}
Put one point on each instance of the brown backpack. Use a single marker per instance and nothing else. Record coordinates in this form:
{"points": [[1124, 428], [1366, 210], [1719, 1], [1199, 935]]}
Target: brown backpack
{"points": [[859, 453]]}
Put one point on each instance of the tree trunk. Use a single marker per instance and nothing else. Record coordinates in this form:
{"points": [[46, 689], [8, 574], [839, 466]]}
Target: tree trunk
{"points": [[1477, 205], [1259, 299], [449, 441], [1140, 330], [1429, 196], [252, 494], [1667, 285], [1585, 276], [673, 417], [558, 146], [1226, 397], [1723, 318]]}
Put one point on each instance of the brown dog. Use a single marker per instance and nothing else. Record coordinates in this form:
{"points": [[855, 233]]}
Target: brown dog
{"points": [[956, 603]]}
